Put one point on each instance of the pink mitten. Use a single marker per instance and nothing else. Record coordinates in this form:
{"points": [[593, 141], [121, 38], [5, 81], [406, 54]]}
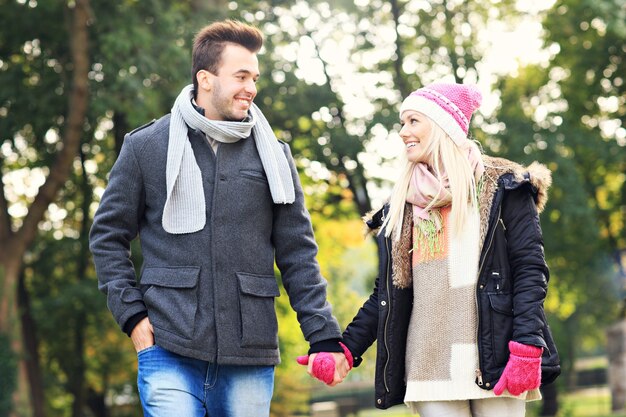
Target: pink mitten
{"points": [[324, 364], [523, 370]]}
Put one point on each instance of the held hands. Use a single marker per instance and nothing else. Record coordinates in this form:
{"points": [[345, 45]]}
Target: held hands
{"points": [[329, 367], [522, 372]]}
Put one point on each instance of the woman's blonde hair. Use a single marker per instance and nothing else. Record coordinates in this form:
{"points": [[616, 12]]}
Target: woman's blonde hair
{"points": [[444, 157]]}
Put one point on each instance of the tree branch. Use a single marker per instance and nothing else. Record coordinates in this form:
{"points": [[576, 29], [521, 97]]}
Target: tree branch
{"points": [[357, 178], [454, 57], [397, 64], [77, 109]]}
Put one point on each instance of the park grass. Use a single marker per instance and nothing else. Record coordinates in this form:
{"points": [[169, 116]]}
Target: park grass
{"points": [[590, 402]]}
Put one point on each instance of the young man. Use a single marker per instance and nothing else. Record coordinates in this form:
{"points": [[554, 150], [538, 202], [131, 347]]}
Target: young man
{"points": [[215, 200]]}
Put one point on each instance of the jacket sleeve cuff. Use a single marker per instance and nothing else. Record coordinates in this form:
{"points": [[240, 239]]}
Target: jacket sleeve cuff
{"points": [[133, 321], [328, 345]]}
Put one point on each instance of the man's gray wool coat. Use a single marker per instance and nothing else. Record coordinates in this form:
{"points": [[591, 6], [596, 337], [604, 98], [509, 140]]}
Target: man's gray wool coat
{"points": [[209, 294]]}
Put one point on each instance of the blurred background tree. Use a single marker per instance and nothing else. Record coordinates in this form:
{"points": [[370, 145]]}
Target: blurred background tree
{"points": [[77, 75]]}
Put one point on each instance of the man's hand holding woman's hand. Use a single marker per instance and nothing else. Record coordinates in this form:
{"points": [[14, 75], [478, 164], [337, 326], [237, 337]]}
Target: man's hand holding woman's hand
{"points": [[329, 367]]}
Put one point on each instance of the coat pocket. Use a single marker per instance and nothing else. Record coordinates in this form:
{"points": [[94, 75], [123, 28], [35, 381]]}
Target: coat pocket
{"points": [[259, 326], [253, 175], [501, 325], [171, 298]]}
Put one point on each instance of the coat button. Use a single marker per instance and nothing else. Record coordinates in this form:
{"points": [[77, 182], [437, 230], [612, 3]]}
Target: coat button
{"points": [[488, 384], [379, 401], [383, 303]]}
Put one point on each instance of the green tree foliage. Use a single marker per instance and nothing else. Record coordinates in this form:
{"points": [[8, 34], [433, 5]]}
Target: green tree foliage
{"points": [[592, 85]]}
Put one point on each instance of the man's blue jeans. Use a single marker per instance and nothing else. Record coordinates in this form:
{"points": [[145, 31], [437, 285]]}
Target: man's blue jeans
{"points": [[171, 385]]}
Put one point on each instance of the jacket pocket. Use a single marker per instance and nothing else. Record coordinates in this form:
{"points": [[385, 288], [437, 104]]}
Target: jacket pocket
{"points": [[171, 298], [253, 175], [501, 325], [259, 326]]}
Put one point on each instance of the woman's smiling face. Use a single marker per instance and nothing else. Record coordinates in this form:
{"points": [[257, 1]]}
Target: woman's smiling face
{"points": [[415, 134]]}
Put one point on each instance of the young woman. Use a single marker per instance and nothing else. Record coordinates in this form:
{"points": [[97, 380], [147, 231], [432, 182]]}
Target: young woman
{"points": [[457, 307]]}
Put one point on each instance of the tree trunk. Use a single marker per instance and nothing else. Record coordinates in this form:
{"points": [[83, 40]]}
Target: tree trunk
{"points": [[616, 352], [120, 127], [10, 326], [214, 8], [77, 369], [454, 58], [550, 404], [31, 348], [399, 78], [77, 376], [357, 184], [96, 403], [569, 358]]}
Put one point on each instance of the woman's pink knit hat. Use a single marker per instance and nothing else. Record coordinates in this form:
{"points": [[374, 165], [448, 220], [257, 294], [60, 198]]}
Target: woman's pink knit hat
{"points": [[449, 105]]}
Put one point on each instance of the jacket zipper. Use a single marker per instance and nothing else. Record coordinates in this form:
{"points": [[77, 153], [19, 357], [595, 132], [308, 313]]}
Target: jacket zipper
{"points": [[479, 373], [479, 376], [388, 314], [493, 232]]}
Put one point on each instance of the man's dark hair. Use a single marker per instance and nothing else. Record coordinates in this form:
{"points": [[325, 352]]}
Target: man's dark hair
{"points": [[211, 40]]}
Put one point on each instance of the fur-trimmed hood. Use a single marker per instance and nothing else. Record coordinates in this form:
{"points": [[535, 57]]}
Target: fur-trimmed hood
{"points": [[537, 174], [513, 175]]}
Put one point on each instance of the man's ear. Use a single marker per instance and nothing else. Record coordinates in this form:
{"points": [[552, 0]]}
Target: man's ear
{"points": [[205, 80]]}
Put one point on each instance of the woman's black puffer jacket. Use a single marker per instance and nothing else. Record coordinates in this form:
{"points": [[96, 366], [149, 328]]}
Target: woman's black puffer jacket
{"points": [[511, 288]]}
